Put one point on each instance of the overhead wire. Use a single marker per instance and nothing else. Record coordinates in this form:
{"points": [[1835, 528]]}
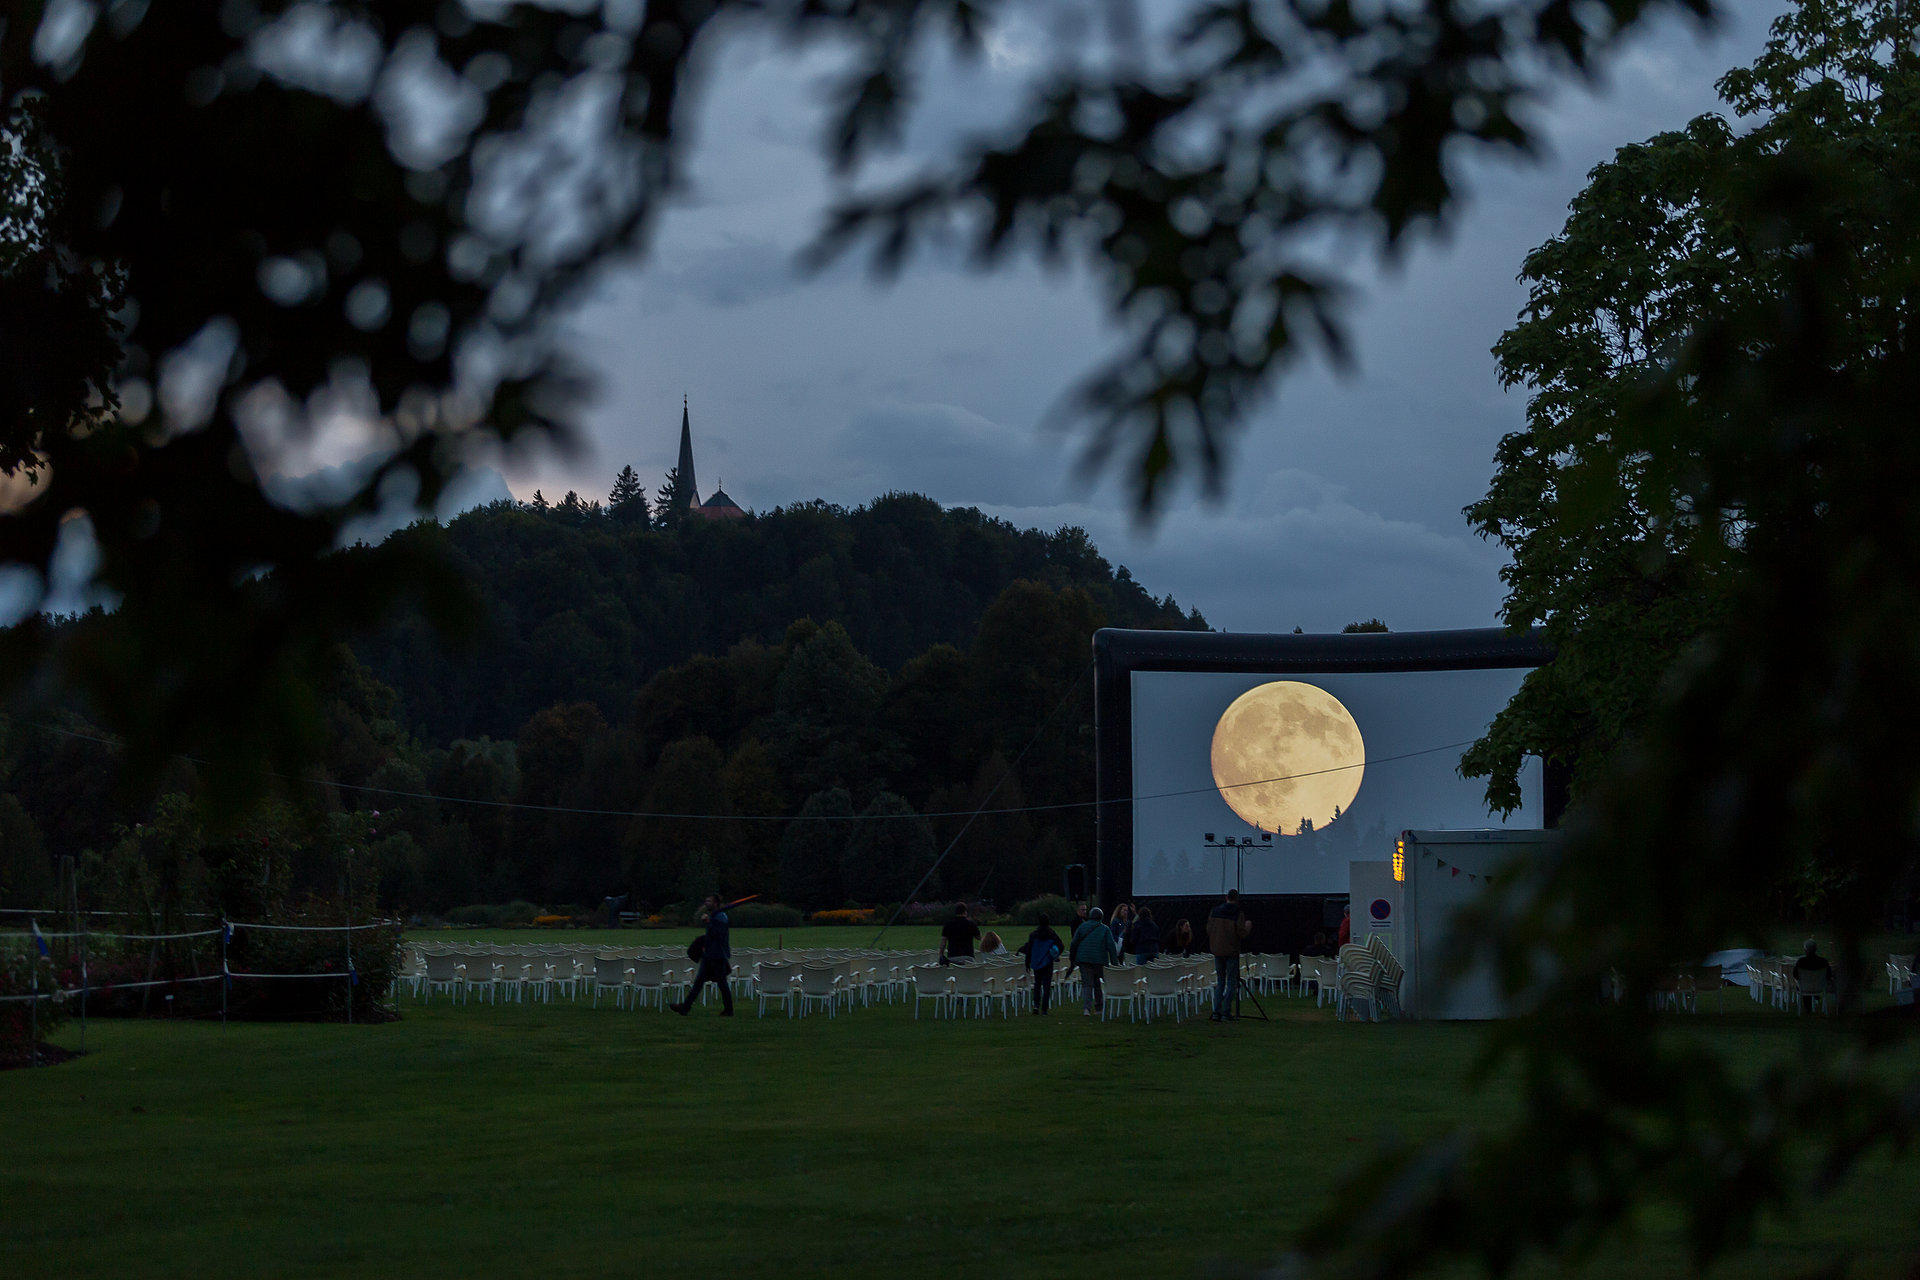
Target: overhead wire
{"points": [[809, 817]]}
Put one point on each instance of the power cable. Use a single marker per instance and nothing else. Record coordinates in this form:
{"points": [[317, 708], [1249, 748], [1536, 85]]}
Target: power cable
{"points": [[805, 817], [968, 825]]}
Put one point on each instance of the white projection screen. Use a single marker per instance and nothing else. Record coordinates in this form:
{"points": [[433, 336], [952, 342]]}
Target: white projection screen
{"points": [[1216, 757]]}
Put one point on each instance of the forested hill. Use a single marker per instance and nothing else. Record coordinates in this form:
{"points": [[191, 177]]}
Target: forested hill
{"points": [[582, 605], [884, 671]]}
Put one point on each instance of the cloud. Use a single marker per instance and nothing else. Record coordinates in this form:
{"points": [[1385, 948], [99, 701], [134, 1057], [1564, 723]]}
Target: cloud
{"points": [[1317, 565], [944, 449]]}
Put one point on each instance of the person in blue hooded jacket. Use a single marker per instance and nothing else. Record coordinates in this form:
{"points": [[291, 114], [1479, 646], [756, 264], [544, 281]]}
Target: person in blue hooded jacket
{"points": [[716, 954], [1042, 948]]}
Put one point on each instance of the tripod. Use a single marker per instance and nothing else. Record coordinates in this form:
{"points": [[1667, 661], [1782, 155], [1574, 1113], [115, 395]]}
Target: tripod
{"points": [[1240, 993]]}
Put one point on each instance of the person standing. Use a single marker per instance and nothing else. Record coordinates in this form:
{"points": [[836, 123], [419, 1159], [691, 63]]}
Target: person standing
{"points": [[1227, 928], [1042, 948], [957, 936], [1143, 939], [716, 955], [1094, 949], [1121, 923], [1346, 927]]}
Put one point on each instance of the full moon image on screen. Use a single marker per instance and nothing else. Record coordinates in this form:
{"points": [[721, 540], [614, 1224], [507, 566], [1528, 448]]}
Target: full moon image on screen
{"points": [[1382, 746], [1288, 757]]}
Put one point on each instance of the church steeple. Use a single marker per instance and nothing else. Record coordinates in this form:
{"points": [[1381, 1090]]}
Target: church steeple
{"points": [[687, 485]]}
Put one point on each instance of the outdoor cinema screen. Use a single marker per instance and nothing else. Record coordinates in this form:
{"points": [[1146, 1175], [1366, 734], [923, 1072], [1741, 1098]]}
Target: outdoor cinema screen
{"points": [[1332, 765]]}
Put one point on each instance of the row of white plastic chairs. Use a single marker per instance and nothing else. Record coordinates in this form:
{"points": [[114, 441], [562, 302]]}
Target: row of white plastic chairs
{"points": [[803, 981]]}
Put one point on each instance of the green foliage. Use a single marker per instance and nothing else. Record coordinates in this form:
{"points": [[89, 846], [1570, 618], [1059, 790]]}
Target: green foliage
{"points": [[627, 501], [766, 915], [813, 848], [270, 221], [889, 850], [1370, 625], [607, 607], [24, 1020], [26, 875], [495, 915], [1056, 909], [1722, 539], [670, 506]]}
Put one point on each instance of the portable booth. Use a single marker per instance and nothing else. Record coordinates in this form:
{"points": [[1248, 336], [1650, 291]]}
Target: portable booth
{"points": [[1436, 873]]}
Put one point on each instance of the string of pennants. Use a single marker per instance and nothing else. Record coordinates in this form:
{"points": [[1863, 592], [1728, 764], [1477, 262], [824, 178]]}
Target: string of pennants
{"points": [[1443, 865]]}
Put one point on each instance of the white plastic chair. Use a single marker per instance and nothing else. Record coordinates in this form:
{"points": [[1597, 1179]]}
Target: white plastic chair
{"points": [[476, 974], [972, 988], [511, 977], [442, 972], [648, 977], [609, 974], [1162, 988], [820, 984], [774, 980], [931, 983]]}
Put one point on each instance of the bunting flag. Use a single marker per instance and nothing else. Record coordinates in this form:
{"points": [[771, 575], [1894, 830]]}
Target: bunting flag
{"points": [[1456, 872], [39, 939]]}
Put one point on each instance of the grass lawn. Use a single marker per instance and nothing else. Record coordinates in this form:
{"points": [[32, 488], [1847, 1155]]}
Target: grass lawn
{"points": [[526, 1141]]}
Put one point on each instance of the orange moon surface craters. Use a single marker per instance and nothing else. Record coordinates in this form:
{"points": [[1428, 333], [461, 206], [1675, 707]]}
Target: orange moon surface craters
{"points": [[1299, 747]]}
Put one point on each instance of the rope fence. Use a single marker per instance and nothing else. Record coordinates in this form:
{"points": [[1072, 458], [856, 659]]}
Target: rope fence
{"points": [[225, 932]]}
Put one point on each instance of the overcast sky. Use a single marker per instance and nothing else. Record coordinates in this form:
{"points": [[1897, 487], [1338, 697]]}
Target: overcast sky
{"points": [[1343, 501]]}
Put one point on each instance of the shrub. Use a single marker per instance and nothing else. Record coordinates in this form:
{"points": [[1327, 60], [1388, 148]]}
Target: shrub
{"points": [[376, 958], [495, 917], [1056, 909], [765, 915], [844, 915], [18, 969], [551, 921]]}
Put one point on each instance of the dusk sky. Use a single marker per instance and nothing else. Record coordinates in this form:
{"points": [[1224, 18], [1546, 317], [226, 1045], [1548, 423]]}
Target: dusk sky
{"points": [[1343, 501]]}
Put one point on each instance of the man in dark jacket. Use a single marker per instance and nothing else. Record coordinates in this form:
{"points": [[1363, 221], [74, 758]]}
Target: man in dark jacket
{"points": [[1227, 928], [715, 956]]}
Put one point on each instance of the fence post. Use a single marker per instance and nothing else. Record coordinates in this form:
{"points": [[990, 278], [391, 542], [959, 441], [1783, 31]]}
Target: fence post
{"points": [[80, 927], [226, 974]]}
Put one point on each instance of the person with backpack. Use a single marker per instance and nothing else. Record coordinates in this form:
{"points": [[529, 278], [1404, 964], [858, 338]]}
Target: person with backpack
{"points": [[1042, 948], [714, 951], [1094, 949]]}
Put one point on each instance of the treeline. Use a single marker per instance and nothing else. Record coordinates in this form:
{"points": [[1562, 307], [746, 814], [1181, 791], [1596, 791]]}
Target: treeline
{"points": [[585, 604], [873, 672]]}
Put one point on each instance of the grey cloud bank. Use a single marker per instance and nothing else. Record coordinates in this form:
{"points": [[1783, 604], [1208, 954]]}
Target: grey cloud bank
{"points": [[1343, 498]]}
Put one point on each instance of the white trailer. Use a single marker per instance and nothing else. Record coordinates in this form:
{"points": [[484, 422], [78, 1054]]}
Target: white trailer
{"points": [[1438, 873]]}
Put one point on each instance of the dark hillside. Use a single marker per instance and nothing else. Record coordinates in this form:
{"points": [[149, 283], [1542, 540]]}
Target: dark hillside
{"points": [[580, 606]]}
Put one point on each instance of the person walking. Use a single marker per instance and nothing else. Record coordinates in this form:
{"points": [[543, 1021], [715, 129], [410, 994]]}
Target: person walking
{"points": [[1094, 949], [1042, 948], [1227, 928], [716, 954]]}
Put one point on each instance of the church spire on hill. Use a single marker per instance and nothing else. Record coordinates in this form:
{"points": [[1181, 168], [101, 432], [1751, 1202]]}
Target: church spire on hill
{"points": [[718, 506], [687, 485]]}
